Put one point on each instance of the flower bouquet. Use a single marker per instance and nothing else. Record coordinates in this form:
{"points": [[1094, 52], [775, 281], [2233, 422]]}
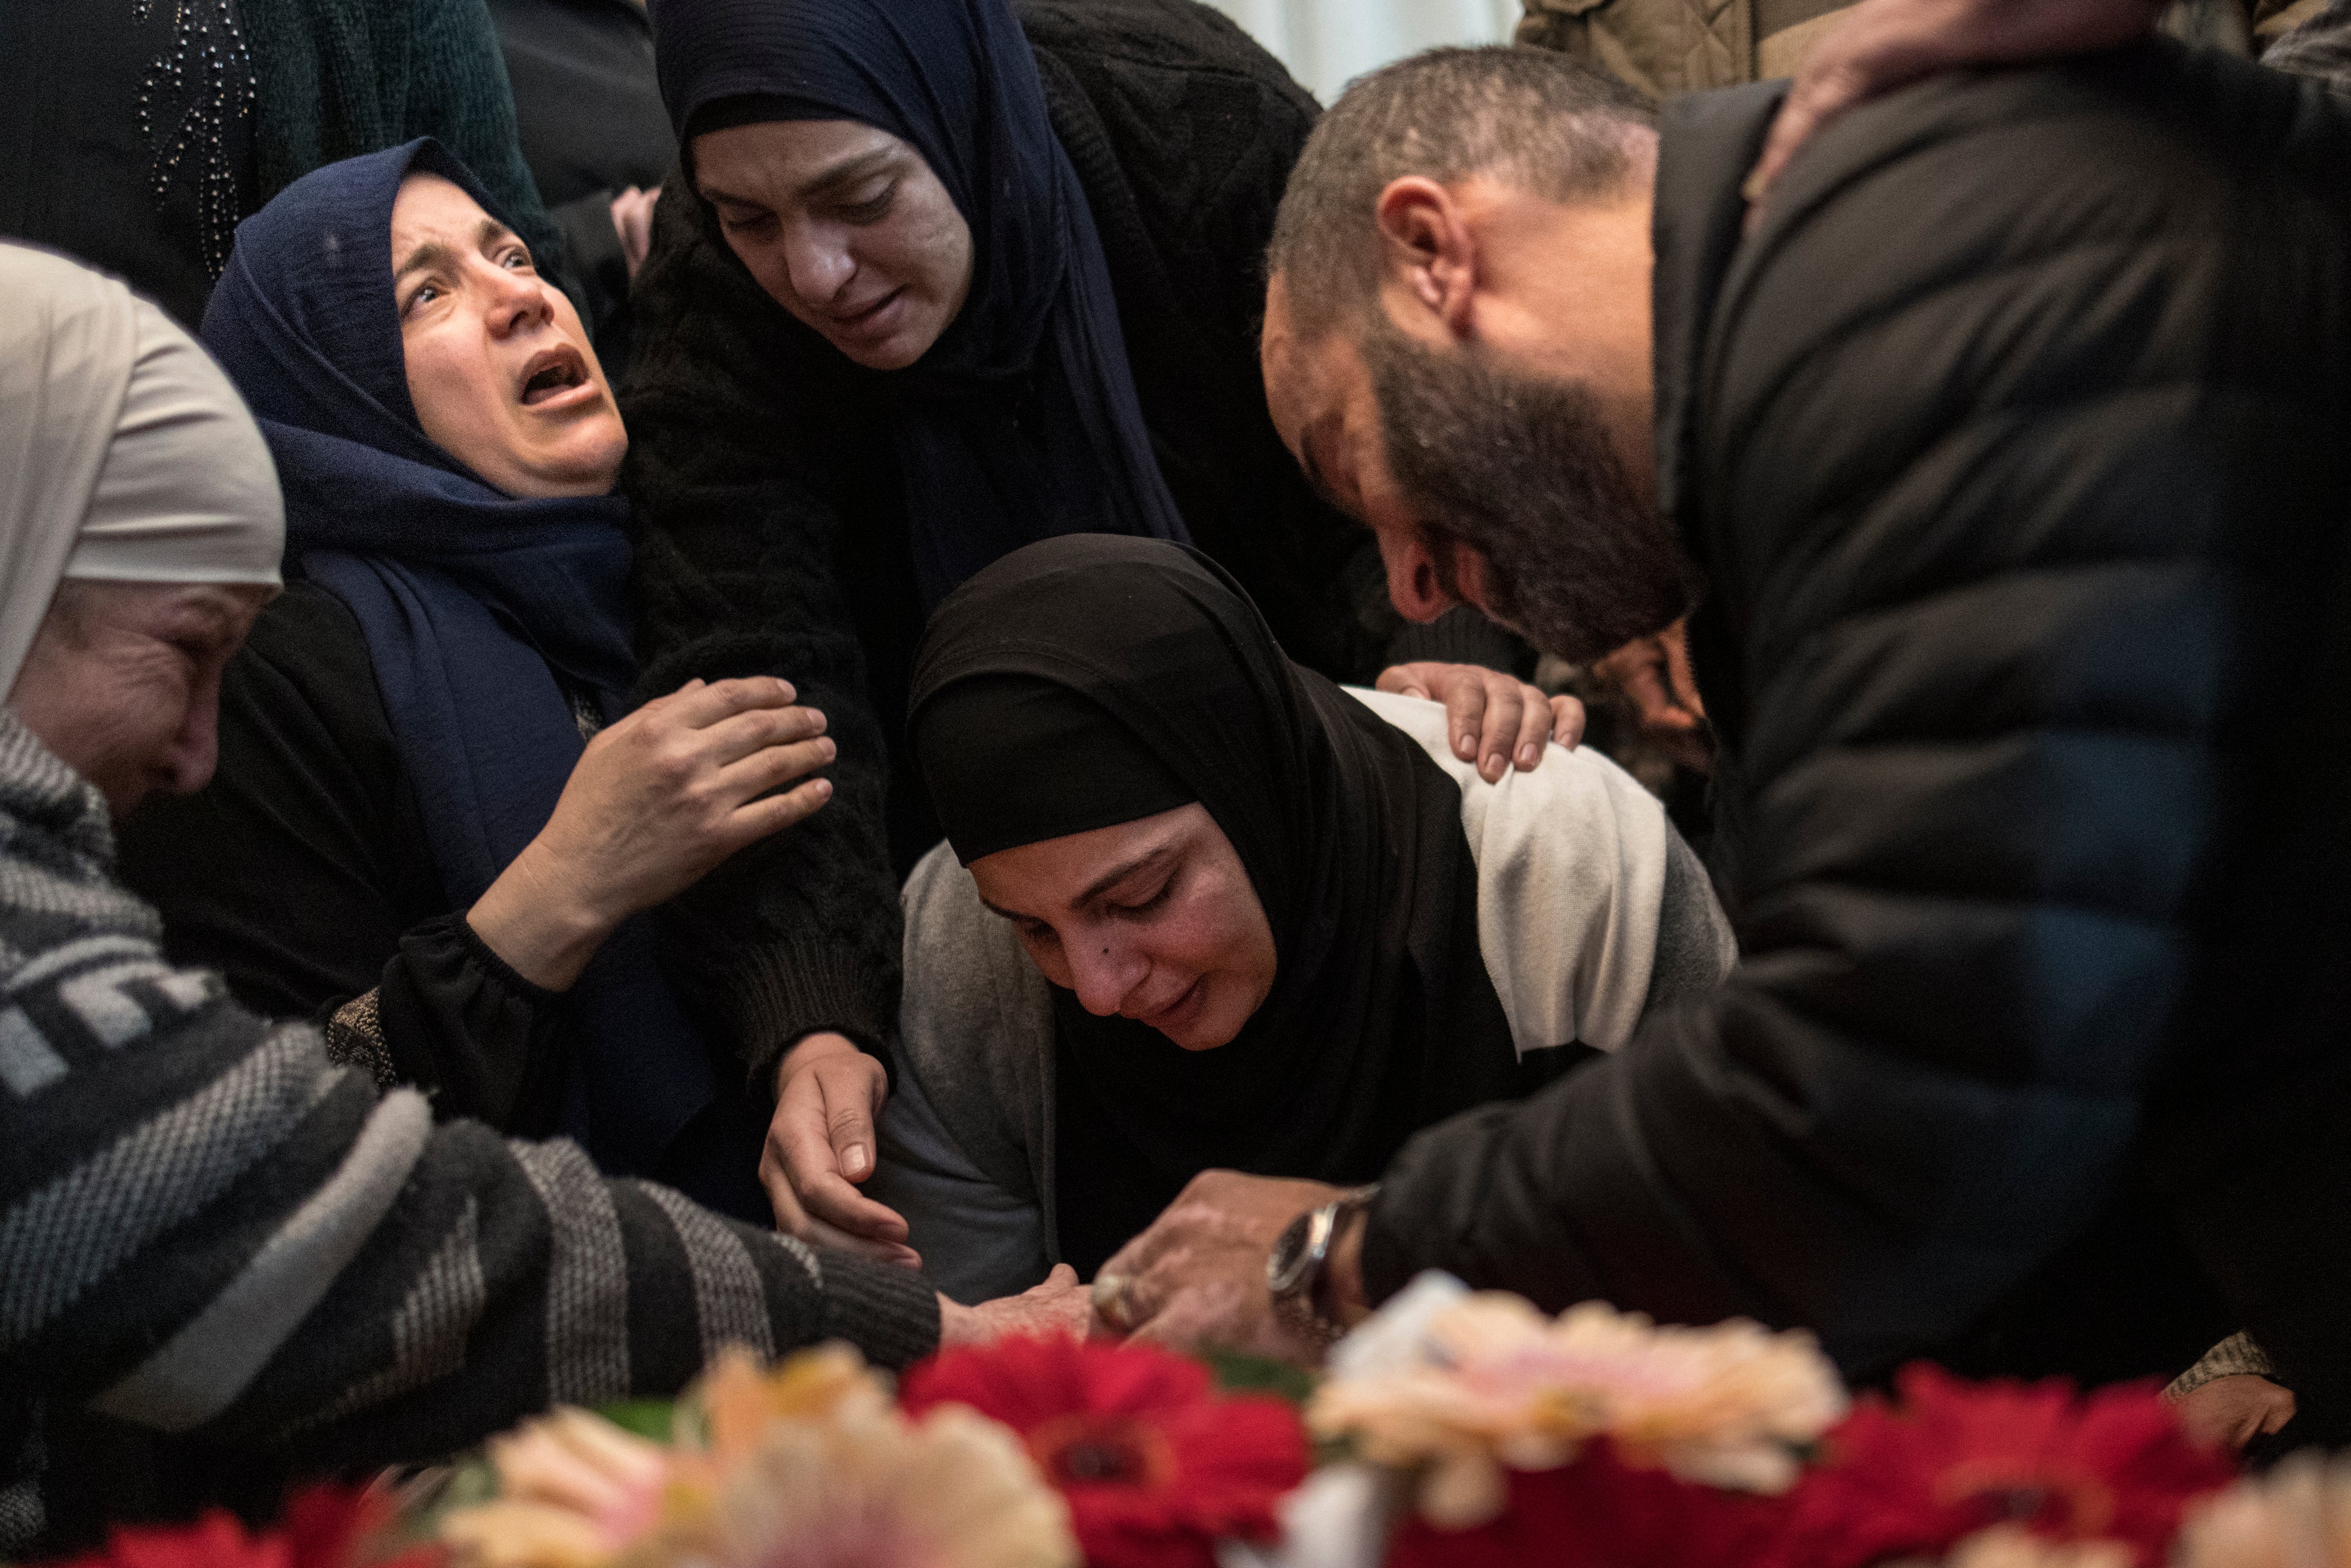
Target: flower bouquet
{"points": [[1452, 1430]]}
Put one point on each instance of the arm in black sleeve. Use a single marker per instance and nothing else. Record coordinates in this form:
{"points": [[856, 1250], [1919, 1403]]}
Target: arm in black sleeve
{"points": [[290, 1262], [1182, 131], [739, 572], [301, 874]]}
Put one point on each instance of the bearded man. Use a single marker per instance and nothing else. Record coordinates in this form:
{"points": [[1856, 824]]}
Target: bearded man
{"points": [[2004, 462]]}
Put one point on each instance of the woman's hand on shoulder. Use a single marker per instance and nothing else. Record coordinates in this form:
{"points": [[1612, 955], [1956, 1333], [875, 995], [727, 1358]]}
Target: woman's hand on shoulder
{"points": [[820, 1143], [1881, 45], [1493, 719], [656, 803]]}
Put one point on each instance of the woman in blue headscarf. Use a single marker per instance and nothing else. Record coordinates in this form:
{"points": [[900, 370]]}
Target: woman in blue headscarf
{"points": [[435, 823], [939, 279]]}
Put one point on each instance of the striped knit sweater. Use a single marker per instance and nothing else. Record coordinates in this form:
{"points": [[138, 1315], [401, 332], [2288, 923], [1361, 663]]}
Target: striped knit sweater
{"points": [[214, 1242]]}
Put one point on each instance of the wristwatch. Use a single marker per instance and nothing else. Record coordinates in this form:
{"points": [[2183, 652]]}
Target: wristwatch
{"points": [[1294, 1268]]}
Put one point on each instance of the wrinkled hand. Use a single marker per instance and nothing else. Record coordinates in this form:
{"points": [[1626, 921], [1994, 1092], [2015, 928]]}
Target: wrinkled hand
{"points": [[1198, 1276], [820, 1142], [657, 801], [2231, 1412], [661, 798], [1881, 45], [633, 220], [1495, 719], [1056, 1307], [1654, 675]]}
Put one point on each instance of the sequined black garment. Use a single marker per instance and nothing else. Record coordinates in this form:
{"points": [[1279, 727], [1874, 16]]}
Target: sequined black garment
{"points": [[193, 97], [126, 137]]}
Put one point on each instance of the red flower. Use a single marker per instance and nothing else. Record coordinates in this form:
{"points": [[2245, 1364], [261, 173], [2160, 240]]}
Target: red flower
{"points": [[1957, 1458], [324, 1527], [1600, 1512], [1154, 1466]]}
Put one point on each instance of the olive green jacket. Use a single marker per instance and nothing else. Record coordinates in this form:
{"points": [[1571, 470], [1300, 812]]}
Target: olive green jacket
{"points": [[1669, 46]]}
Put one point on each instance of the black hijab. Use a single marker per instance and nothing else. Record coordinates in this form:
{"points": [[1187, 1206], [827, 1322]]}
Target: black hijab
{"points": [[1021, 422], [1094, 679]]}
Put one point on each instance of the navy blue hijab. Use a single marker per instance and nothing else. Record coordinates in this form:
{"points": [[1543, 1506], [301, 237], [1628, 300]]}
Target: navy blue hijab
{"points": [[484, 616], [958, 80]]}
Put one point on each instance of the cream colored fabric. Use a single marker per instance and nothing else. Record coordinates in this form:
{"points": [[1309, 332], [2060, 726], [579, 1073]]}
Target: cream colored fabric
{"points": [[1570, 875], [125, 454]]}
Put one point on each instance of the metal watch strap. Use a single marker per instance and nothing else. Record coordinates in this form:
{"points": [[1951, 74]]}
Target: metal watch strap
{"points": [[1295, 1308]]}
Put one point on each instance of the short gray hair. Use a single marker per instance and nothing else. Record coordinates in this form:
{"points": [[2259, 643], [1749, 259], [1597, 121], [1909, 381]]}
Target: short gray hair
{"points": [[1549, 126]]}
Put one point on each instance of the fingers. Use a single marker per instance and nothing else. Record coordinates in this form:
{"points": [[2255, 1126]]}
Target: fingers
{"points": [[795, 1221], [1465, 716], [1534, 729], [1499, 729], [633, 221], [697, 704], [1405, 680], [827, 1197], [771, 768], [849, 1104], [802, 1139], [1567, 721], [1211, 1313], [741, 735], [771, 814]]}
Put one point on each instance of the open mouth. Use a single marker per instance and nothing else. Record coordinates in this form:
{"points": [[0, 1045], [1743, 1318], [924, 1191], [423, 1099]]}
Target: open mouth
{"points": [[551, 372]]}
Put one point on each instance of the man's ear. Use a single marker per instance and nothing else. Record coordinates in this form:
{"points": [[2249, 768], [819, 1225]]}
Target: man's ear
{"points": [[1428, 250]]}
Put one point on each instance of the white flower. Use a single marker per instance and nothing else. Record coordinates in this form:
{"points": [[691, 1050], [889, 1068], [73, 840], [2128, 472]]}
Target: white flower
{"points": [[868, 1489], [2298, 1516], [1498, 1384], [573, 1491], [2006, 1546]]}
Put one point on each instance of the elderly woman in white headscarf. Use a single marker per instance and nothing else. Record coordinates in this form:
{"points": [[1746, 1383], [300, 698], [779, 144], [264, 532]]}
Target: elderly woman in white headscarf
{"points": [[224, 1259], [140, 529]]}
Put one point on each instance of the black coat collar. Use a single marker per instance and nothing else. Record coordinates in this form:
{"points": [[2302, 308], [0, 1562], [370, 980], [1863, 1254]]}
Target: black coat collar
{"points": [[1708, 142]]}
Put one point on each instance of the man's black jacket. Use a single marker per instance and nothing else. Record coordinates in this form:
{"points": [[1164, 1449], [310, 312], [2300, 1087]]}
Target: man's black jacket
{"points": [[2014, 447]]}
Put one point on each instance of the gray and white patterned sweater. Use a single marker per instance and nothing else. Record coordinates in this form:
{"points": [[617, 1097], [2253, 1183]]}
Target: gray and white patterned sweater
{"points": [[215, 1243]]}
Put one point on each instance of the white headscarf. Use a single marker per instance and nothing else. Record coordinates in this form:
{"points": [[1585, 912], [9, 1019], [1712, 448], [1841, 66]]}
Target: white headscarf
{"points": [[125, 454]]}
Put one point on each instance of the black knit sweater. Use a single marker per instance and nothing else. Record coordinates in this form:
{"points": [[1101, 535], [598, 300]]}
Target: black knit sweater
{"points": [[775, 538]]}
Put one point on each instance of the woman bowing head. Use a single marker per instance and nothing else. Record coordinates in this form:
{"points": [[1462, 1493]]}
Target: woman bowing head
{"points": [[1199, 907], [887, 173], [939, 279]]}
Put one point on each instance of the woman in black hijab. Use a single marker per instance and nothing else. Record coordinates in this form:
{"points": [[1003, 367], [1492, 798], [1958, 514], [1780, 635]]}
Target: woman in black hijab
{"points": [[1283, 927], [937, 280]]}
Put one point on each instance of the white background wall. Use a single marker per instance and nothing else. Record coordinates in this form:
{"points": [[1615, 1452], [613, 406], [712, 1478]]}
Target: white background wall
{"points": [[1325, 42]]}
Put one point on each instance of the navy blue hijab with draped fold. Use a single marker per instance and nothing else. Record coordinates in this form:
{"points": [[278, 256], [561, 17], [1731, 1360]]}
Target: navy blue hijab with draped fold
{"points": [[958, 80], [482, 615]]}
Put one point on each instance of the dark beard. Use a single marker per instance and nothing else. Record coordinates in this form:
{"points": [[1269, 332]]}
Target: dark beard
{"points": [[1519, 468]]}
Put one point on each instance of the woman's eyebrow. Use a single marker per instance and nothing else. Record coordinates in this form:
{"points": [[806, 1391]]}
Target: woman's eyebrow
{"points": [[431, 253], [847, 172], [1100, 884], [1117, 874]]}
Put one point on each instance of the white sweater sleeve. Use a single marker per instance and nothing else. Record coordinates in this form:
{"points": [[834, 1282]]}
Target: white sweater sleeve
{"points": [[1571, 880]]}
